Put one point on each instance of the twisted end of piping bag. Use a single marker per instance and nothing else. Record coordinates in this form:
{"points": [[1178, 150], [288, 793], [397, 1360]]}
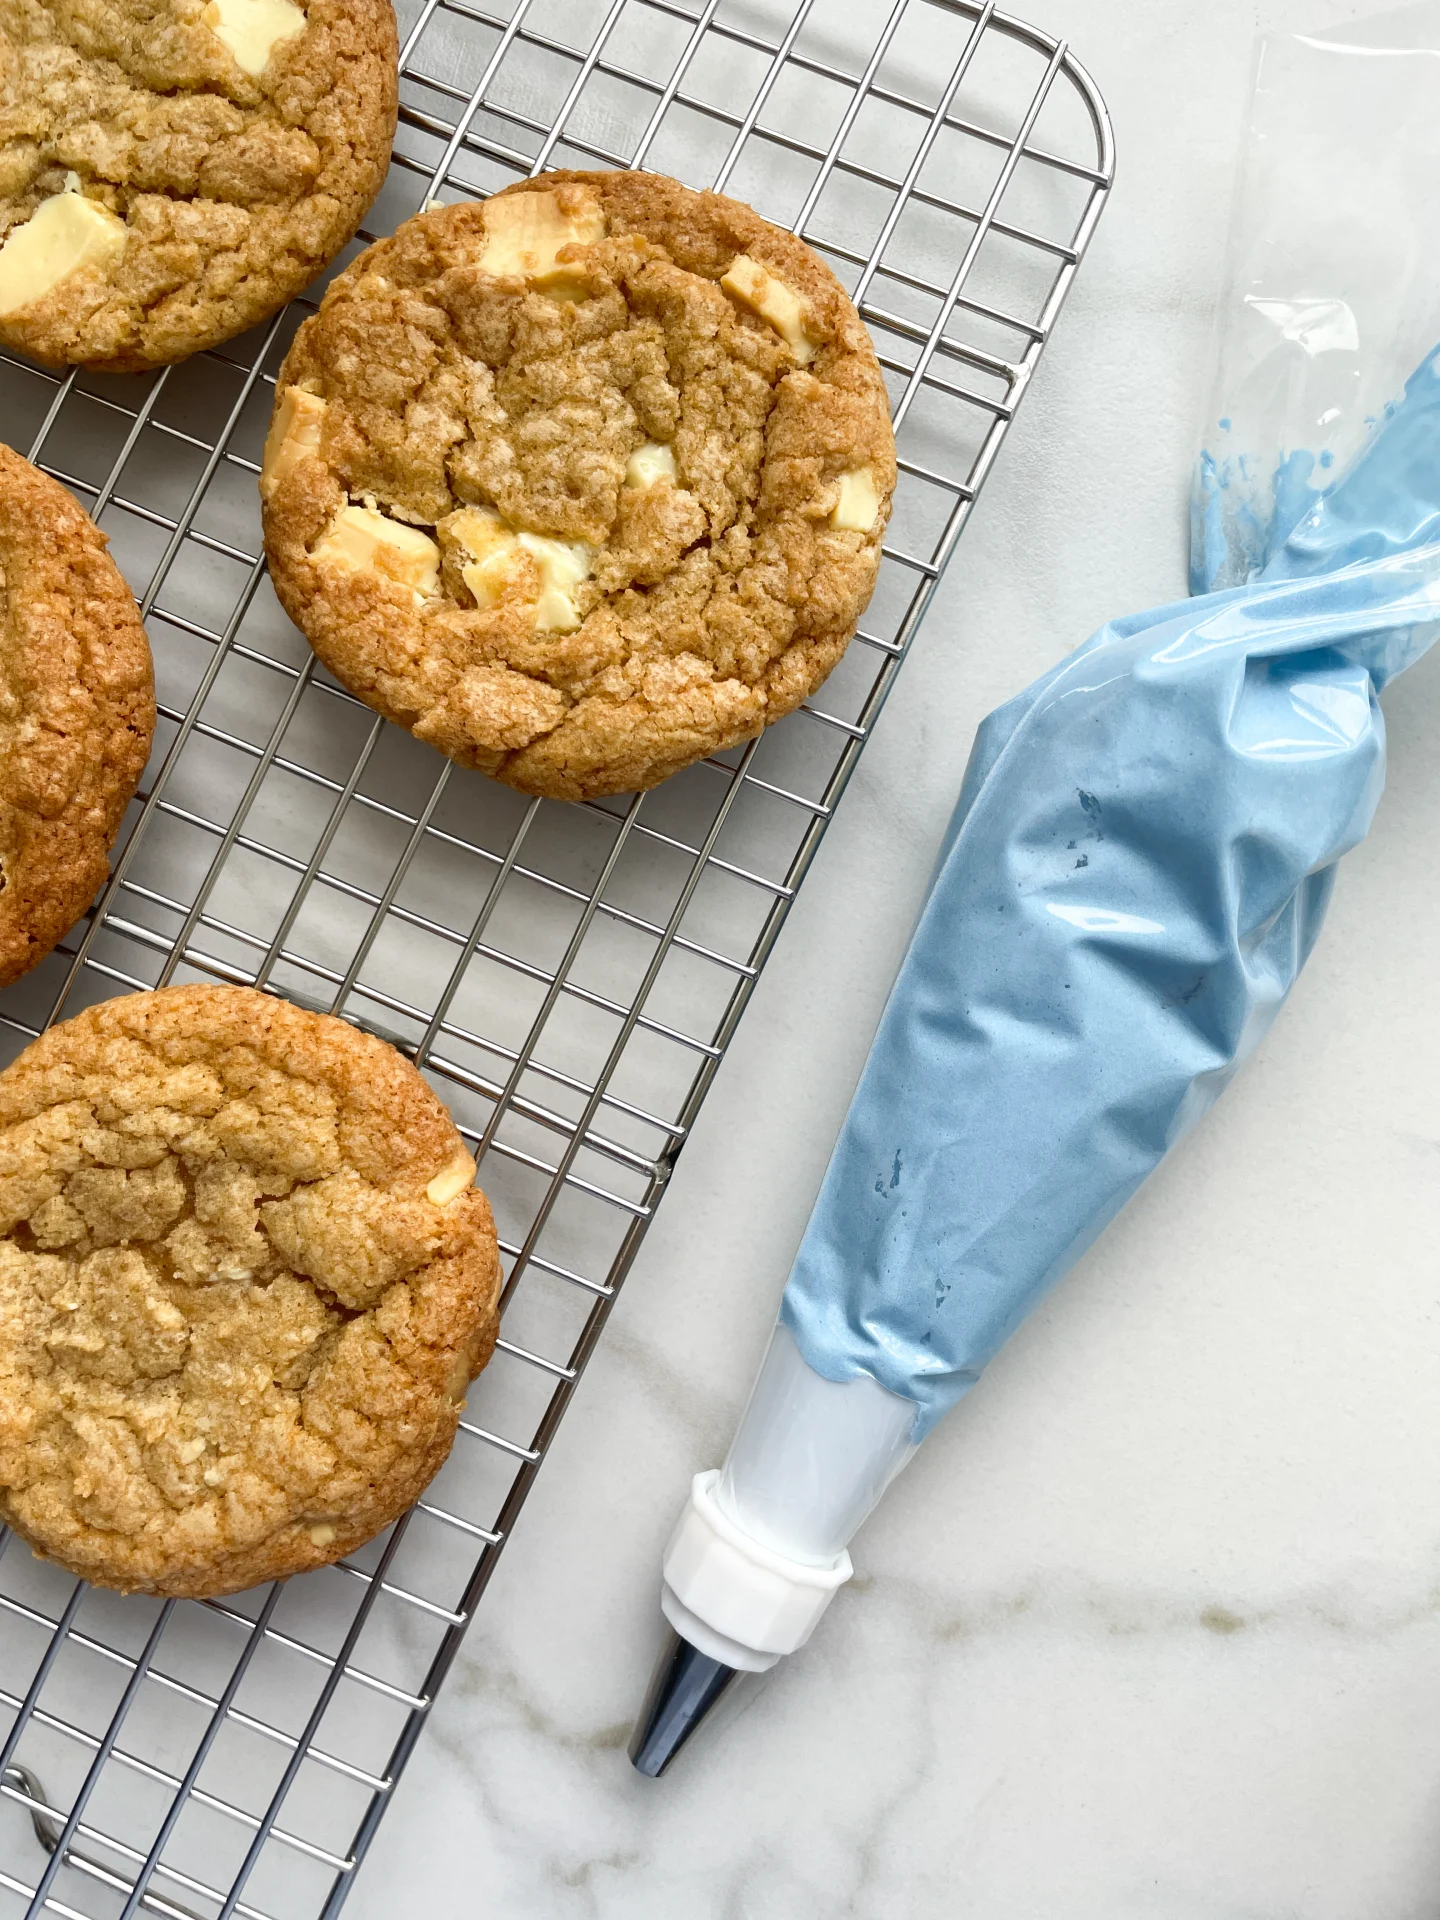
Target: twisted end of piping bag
{"points": [[1137, 868]]}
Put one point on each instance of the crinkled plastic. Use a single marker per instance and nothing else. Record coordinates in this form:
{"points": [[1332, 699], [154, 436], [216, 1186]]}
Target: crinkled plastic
{"points": [[1332, 282], [1137, 868]]}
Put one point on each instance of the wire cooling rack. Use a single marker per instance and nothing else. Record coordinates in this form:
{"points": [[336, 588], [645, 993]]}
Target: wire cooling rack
{"points": [[567, 976]]}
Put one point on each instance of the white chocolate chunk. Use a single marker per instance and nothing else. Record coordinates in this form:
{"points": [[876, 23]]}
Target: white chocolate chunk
{"points": [[480, 531], [491, 578], [64, 234], [858, 506], [490, 542], [563, 564], [762, 292], [322, 1533], [494, 547], [362, 539], [187, 1451], [649, 464], [457, 1385], [524, 233], [252, 29], [294, 432], [451, 1181], [487, 579]]}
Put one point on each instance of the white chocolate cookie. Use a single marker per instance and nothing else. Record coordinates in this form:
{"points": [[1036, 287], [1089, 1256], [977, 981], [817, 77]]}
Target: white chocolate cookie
{"points": [[582, 483], [172, 171], [245, 1281], [77, 711]]}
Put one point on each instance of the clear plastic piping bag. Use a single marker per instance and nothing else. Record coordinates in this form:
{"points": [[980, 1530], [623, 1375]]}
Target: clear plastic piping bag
{"points": [[1332, 282], [1137, 868], [1136, 871]]}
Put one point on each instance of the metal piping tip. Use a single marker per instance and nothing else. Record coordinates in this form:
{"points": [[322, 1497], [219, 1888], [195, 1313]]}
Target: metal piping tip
{"points": [[683, 1688]]}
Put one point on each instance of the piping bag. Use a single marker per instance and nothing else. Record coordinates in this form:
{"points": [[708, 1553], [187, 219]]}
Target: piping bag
{"points": [[1138, 865]]}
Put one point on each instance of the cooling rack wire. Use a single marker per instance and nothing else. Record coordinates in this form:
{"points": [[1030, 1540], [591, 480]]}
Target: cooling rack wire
{"points": [[568, 977]]}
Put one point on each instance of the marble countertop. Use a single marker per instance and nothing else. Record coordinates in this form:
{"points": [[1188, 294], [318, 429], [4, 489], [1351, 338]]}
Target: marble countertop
{"points": [[1152, 1625]]}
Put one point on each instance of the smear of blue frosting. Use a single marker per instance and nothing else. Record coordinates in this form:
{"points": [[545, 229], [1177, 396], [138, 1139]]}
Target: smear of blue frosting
{"points": [[1235, 526], [1136, 871]]}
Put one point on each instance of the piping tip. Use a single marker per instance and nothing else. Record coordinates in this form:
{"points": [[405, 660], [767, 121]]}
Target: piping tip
{"points": [[683, 1688]]}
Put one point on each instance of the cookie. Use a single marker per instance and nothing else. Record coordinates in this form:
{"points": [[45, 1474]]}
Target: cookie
{"points": [[583, 483], [245, 1282], [77, 710], [172, 171]]}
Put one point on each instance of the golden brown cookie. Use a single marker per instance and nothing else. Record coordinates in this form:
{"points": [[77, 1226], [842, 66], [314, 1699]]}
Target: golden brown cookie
{"points": [[245, 1282], [172, 171], [77, 709], [582, 483]]}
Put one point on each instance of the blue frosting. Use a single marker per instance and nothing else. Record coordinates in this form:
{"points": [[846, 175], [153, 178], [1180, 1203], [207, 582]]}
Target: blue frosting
{"points": [[1136, 870], [1234, 526]]}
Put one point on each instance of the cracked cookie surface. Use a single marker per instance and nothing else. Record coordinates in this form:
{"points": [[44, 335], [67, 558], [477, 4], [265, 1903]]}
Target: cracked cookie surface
{"points": [[172, 171], [582, 483], [245, 1281], [77, 711]]}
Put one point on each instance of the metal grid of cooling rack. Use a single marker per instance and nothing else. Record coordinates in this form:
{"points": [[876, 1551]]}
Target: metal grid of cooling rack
{"points": [[567, 976]]}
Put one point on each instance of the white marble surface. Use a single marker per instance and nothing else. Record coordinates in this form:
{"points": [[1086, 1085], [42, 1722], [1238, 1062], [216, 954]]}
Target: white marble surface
{"points": [[1152, 1626]]}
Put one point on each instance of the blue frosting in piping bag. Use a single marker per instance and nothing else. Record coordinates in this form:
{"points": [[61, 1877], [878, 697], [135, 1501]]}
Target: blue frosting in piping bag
{"points": [[1136, 870]]}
